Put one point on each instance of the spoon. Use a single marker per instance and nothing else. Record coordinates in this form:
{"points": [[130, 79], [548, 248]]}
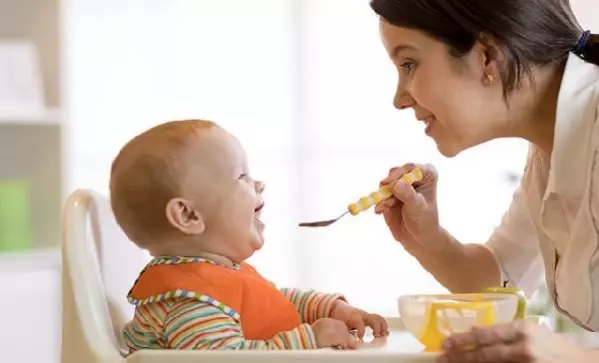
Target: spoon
{"points": [[365, 203]]}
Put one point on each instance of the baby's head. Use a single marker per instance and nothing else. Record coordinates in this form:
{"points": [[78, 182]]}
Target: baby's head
{"points": [[183, 188]]}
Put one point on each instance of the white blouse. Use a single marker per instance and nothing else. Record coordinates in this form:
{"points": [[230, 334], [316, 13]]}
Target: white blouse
{"points": [[552, 225]]}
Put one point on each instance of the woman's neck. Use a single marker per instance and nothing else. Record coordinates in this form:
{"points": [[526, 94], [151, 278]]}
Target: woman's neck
{"points": [[535, 104]]}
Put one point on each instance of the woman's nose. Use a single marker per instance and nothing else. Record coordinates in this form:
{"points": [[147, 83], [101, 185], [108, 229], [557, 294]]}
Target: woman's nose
{"points": [[402, 100]]}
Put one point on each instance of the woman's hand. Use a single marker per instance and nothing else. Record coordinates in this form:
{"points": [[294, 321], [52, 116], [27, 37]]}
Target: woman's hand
{"points": [[517, 342], [411, 213]]}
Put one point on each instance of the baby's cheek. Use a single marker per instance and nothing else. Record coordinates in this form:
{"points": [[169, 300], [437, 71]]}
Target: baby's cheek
{"points": [[252, 192], [246, 205]]}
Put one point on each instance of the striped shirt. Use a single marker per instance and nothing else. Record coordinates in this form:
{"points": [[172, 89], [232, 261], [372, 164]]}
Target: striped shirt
{"points": [[185, 323]]}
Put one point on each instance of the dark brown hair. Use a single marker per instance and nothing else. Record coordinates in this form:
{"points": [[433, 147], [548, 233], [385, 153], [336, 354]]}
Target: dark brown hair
{"points": [[532, 32]]}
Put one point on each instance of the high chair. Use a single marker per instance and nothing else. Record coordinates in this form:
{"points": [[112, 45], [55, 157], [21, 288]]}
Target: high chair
{"points": [[98, 267], [99, 264]]}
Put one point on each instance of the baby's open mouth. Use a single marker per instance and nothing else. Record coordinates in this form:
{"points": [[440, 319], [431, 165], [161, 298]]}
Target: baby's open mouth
{"points": [[259, 208], [257, 211], [257, 215]]}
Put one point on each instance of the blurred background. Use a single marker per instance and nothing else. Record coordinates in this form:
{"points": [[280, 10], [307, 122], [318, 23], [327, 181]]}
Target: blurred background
{"points": [[306, 86]]}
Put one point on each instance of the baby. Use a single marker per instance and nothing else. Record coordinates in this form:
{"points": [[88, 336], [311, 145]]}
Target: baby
{"points": [[182, 190]]}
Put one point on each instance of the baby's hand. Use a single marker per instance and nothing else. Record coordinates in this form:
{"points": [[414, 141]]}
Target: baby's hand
{"points": [[333, 333], [358, 319]]}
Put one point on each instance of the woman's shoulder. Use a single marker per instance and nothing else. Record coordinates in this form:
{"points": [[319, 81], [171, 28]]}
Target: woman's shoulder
{"points": [[576, 132], [579, 90]]}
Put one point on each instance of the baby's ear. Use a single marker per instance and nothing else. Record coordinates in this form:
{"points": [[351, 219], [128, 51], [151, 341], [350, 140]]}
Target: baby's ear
{"points": [[181, 215]]}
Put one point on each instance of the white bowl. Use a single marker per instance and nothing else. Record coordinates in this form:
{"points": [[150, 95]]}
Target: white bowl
{"points": [[413, 311]]}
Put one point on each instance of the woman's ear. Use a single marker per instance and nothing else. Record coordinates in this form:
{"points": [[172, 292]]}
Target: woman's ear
{"points": [[181, 215], [491, 58]]}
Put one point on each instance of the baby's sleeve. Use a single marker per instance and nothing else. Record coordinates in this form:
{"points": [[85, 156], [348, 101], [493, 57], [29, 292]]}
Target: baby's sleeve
{"points": [[310, 304], [191, 324]]}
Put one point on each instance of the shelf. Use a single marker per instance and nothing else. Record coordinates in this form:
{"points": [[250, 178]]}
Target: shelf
{"points": [[31, 154], [49, 116]]}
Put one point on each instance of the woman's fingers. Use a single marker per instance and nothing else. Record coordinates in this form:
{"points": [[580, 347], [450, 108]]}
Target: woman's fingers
{"points": [[393, 176], [404, 192], [514, 352], [499, 334], [397, 172], [429, 173], [385, 205], [501, 343]]}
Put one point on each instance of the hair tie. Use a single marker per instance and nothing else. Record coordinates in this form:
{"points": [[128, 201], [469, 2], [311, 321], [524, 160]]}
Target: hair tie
{"points": [[582, 44]]}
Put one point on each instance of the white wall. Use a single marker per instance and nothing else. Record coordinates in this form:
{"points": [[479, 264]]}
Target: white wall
{"points": [[132, 64], [587, 12]]}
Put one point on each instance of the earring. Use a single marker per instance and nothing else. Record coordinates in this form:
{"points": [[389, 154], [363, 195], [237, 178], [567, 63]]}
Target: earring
{"points": [[489, 78]]}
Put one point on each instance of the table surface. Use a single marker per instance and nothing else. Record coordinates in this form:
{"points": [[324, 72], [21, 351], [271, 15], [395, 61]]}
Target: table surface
{"points": [[397, 340]]}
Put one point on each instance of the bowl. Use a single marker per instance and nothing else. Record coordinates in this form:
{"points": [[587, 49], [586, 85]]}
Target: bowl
{"points": [[432, 318]]}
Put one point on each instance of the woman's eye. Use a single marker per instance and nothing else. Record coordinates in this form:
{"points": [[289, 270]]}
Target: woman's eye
{"points": [[408, 66]]}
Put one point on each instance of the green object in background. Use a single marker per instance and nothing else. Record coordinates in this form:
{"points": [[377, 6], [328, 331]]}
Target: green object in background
{"points": [[15, 215]]}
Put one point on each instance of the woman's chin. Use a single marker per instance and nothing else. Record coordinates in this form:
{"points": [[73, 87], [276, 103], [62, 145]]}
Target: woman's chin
{"points": [[446, 149]]}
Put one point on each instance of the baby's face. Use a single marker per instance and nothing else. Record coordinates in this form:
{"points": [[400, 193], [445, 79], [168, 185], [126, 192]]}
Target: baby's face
{"points": [[227, 197]]}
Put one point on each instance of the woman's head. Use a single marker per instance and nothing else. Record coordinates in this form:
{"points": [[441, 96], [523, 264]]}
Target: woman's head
{"points": [[464, 64]]}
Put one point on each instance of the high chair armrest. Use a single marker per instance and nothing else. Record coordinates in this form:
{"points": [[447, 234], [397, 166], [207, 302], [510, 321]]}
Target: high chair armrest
{"points": [[287, 356], [375, 353]]}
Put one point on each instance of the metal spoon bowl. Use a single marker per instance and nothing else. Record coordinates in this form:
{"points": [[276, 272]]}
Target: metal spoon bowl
{"points": [[322, 223]]}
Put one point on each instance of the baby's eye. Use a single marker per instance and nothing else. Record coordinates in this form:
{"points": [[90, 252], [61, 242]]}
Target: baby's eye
{"points": [[244, 177]]}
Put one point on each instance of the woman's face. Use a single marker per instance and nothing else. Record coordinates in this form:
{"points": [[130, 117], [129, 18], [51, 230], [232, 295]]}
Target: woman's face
{"points": [[461, 107]]}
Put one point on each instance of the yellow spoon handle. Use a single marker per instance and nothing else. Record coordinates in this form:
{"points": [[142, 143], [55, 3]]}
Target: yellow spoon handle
{"points": [[383, 193]]}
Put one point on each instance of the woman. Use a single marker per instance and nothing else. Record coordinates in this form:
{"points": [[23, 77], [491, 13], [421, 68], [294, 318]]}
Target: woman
{"points": [[477, 70]]}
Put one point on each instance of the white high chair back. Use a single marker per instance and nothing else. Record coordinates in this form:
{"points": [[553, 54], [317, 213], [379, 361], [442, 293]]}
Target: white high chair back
{"points": [[99, 265]]}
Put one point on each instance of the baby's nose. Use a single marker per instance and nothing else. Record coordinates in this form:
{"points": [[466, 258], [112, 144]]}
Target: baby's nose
{"points": [[259, 186]]}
